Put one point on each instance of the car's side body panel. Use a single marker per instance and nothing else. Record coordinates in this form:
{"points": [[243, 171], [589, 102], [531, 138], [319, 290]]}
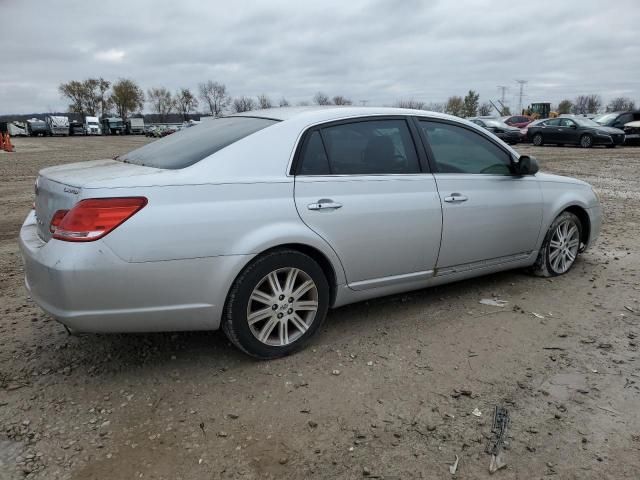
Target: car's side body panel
{"points": [[171, 265]]}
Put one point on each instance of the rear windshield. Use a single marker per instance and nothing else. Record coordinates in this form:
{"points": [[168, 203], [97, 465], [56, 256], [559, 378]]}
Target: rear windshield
{"points": [[190, 145]]}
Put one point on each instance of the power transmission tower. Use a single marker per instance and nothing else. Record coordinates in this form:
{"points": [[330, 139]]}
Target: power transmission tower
{"points": [[522, 84], [364, 102]]}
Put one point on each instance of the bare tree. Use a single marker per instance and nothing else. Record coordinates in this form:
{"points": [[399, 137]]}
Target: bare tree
{"points": [[485, 109], [587, 104], [264, 101], [321, 99], [243, 104], [87, 97], [186, 102], [565, 106], [619, 104], [340, 100], [127, 97], [410, 103], [214, 95], [283, 102], [161, 102], [455, 106], [435, 107]]}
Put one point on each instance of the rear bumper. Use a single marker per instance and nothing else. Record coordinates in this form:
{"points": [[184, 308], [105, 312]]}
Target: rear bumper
{"points": [[88, 288]]}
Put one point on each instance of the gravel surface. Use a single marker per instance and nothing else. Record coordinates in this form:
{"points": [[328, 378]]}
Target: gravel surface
{"points": [[386, 390]]}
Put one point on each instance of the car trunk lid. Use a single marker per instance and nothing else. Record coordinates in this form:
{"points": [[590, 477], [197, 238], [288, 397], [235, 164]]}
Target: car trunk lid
{"points": [[61, 187]]}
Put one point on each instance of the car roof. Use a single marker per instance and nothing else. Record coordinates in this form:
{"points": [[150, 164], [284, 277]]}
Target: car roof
{"points": [[327, 113]]}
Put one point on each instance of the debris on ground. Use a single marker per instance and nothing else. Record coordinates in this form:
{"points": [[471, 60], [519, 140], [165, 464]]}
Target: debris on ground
{"points": [[493, 302], [454, 467], [476, 412], [498, 435]]}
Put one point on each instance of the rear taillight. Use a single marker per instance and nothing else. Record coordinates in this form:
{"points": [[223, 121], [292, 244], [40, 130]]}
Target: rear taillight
{"points": [[56, 219], [93, 218]]}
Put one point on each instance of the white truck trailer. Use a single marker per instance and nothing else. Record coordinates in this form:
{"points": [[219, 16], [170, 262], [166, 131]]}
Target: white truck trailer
{"points": [[57, 125]]}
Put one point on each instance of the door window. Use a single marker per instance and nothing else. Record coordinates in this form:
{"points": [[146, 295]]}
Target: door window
{"points": [[459, 150], [565, 122], [364, 148], [314, 159]]}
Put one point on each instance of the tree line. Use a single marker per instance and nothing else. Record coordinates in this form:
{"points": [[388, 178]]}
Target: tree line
{"points": [[97, 96], [100, 97]]}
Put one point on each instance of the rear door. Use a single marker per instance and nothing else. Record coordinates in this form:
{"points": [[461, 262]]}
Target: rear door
{"points": [[489, 215], [361, 186]]}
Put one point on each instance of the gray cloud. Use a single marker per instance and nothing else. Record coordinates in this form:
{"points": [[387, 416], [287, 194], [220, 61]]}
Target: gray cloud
{"points": [[377, 51]]}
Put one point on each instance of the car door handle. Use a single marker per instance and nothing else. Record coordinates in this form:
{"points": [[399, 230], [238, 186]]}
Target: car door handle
{"points": [[324, 205], [455, 198]]}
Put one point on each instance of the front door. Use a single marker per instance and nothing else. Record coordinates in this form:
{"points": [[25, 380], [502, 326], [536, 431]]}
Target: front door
{"points": [[489, 215], [359, 185]]}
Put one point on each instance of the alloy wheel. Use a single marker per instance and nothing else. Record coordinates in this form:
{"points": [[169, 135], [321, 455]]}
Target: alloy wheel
{"points": [[586, 141], [563, 247], [282, 306], [537, 140]]}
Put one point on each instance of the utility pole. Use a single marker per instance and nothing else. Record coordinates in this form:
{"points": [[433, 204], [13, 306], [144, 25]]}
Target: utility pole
{"points": [[503, 90], [364, 102], [522, 84]]}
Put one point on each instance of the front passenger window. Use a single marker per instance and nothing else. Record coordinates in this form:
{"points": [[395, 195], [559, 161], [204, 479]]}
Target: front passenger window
{"points": [[459, 150]]}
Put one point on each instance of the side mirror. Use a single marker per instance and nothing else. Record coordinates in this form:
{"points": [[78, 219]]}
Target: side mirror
{"points": [[526, 165], [574, 126]]}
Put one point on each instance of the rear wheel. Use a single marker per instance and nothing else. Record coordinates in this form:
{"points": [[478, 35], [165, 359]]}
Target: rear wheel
{"points": [[276, 304], [538, 140], [586, 141], [560, 247]]}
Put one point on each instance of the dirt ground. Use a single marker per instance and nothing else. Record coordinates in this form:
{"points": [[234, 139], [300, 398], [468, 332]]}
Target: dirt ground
{"points": [[561, 356]]}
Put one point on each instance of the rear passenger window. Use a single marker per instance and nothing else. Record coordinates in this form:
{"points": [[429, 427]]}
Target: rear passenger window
{"points": [[314, 159], [362, 148], [459, 150]]}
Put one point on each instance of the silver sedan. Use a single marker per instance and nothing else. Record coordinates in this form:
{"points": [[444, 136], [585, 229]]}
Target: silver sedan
{"points": [[260, 222]]}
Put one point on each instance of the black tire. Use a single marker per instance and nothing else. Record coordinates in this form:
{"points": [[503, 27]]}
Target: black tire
{"points": [[235, 323], [586, 141], [543, 266], [560, 144], [537, 140]]}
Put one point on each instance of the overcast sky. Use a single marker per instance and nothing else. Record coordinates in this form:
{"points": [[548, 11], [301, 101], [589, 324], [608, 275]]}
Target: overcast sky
{"points": [[378, 51]]}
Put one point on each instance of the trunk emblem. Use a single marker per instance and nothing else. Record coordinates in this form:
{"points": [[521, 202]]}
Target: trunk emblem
{"points": [[75, 191]]}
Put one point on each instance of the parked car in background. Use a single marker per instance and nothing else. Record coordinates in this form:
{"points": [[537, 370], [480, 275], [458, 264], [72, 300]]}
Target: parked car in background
{"points": [[620, 120], [574, 131], [134, 126], [92, 126], [36, 127], [518, 121], [57, 125], [632, 133], [76, 128], [112, 126], [254, 223], [504, 132], [524, 131]]}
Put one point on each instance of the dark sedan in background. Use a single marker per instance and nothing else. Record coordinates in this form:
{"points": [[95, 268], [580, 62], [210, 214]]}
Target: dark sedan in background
{"points": [[574, 131], [504, 132], [624, 121]]}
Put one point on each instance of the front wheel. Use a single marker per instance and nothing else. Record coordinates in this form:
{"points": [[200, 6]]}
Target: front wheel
{"points": [[586, 141], [276, 304], [560, 247], [537, 140]]}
